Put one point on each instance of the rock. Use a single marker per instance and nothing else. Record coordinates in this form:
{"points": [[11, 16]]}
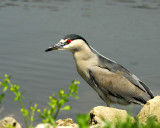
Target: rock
{"points": [[9, 121], [150, 109], [44, 125], [66, 123], [100, 113]]}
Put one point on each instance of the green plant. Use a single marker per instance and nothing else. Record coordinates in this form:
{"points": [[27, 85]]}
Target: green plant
{"points": [[151, 123], [1, 97], [83, 120], [57, 104], [6, 84], [48, 115]]}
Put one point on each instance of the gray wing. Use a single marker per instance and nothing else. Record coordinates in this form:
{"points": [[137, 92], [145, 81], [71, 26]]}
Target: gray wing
{"points": [[112, 84], [114, 67], [117, 86]]}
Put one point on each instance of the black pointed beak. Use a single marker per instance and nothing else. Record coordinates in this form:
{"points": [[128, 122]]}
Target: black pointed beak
{"points": [[55, 47], [49, 49]]}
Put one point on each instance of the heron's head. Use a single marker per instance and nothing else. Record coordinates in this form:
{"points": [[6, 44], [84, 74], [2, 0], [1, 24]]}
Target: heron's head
{"points": [[72, 43]]}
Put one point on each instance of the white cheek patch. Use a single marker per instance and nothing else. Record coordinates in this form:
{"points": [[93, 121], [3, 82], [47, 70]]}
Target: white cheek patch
{"points": [[69, 47], [62, 40], [66, 46]]}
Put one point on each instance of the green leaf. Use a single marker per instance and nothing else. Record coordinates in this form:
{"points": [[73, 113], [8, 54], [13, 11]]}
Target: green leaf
{"points": [[4, 84], [1, 97], [75, 82], [83, 120], [67, 107], [61, 102], [6, 75], [5, 89], [61, 93], [15, 99], [24, 112], [76, 97]]}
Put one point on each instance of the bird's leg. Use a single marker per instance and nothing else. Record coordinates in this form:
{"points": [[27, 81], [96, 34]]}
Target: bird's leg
{"points": [[107, 101]]}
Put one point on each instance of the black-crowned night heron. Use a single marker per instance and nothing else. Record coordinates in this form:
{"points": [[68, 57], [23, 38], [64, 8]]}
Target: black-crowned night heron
{"points": [[112, 82]]}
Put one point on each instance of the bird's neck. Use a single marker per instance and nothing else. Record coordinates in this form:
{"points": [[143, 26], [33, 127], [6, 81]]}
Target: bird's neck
{"points": [[84, 60], [83, 54]]}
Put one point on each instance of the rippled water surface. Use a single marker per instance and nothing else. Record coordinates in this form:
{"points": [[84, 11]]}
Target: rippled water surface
{"points": [[127, 31]]}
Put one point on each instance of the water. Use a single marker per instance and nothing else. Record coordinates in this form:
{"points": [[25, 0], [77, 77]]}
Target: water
{"points": [[127, 31]]}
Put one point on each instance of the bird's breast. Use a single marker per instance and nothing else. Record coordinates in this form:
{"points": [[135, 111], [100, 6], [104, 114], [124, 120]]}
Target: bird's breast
{"points": [[82, 69], [84, 64]]}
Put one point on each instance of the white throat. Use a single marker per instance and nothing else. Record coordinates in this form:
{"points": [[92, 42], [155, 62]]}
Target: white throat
{"points": [[84, 53]]}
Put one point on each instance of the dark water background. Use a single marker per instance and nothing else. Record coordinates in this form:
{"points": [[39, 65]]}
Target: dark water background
{"points": [[127, 31]]}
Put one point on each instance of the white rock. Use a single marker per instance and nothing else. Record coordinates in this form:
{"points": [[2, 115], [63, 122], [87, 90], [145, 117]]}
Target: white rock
{"points": [[44, 125], [100, 113], [9, 121], [61, 123], [150, 109], [66, 123]]}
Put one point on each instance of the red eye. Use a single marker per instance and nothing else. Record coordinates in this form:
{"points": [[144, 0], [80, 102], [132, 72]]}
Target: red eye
{"points": [[69, 40]]}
